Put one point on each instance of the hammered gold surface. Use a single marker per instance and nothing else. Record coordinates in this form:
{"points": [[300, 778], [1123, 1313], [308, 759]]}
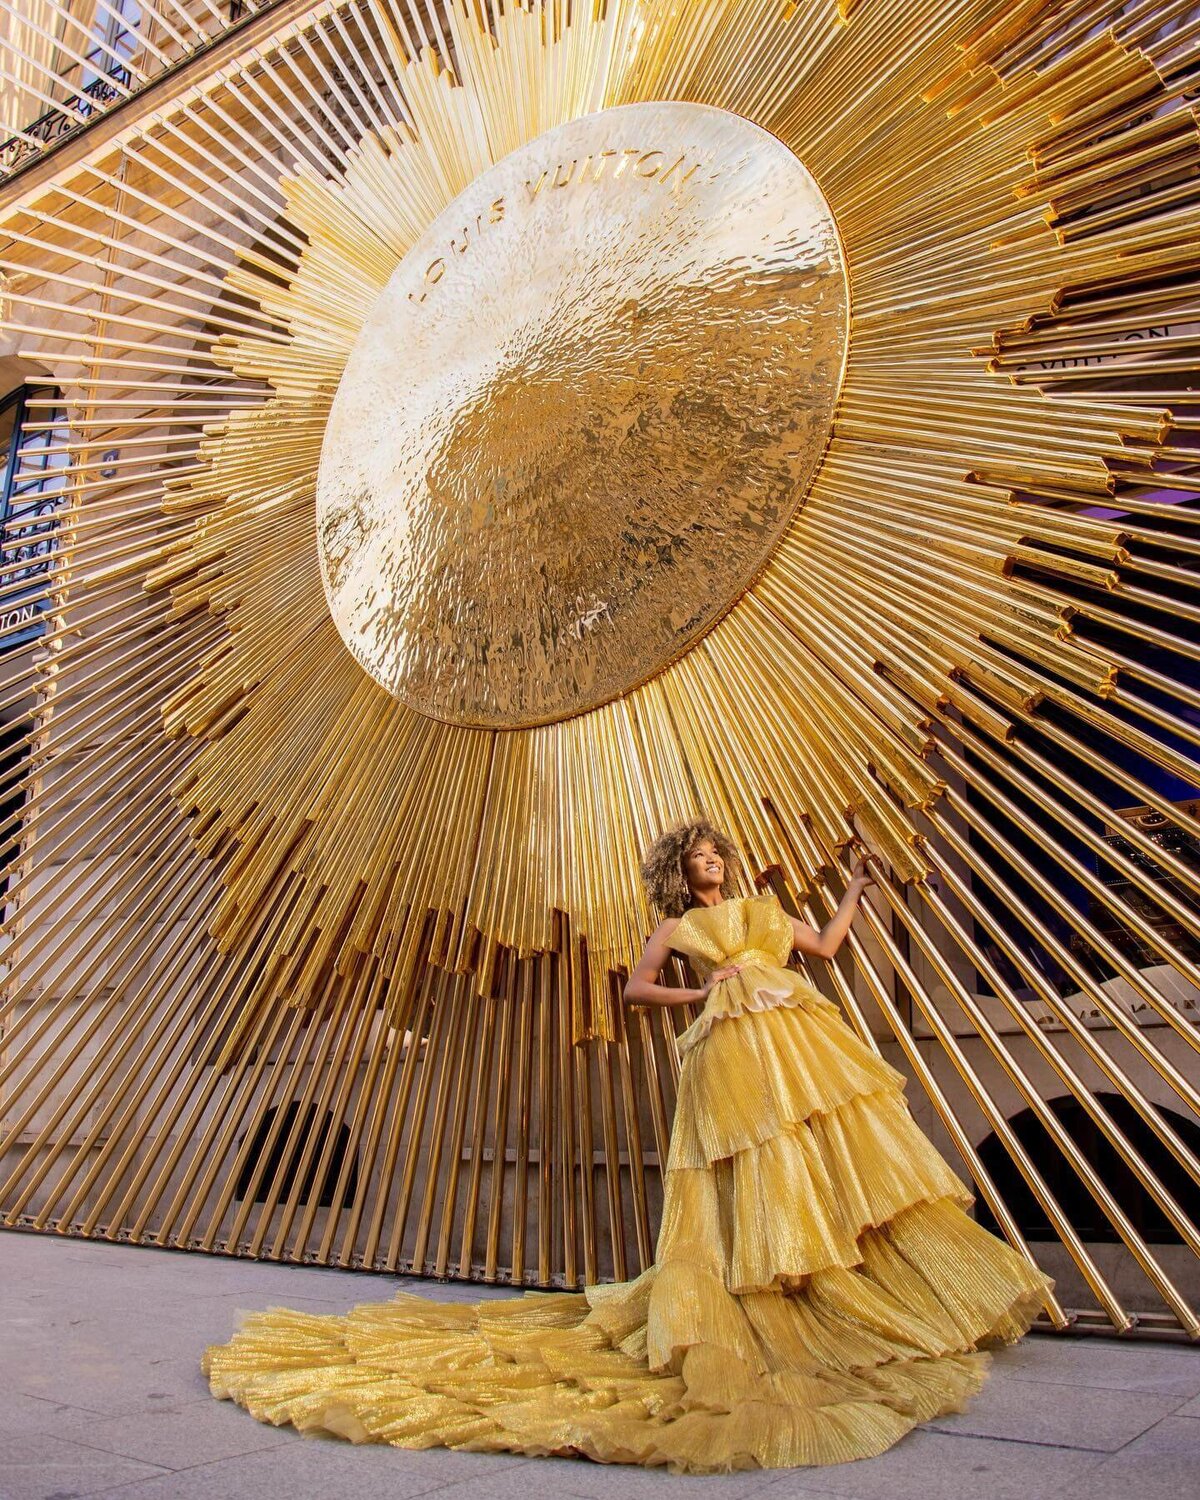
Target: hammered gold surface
{"points": [[581, 413]]}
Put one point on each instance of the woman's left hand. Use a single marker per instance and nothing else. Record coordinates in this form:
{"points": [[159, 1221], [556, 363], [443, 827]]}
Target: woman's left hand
{"points": [[863, 874]]}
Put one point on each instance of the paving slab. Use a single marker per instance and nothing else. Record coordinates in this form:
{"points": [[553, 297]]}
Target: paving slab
{"points": [[99, 1361], [312, 1467], [593, 1481], [40, 1467], [928, 1465], [1162, 1464], [173, 1436], [21, 1414], [1065, 1415], [1107, 1364]]}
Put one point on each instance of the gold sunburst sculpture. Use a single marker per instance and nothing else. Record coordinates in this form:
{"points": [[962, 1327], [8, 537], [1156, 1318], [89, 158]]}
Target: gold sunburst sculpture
{"points": [[621, 409], [580, 413], [892, 580]]}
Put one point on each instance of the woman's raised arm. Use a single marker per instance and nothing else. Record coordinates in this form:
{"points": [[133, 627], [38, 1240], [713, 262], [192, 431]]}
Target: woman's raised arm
{"points": [[824, 942]]}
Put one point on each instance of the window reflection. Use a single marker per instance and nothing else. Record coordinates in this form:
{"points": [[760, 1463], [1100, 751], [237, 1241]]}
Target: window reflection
{"points": [[33, 468]]}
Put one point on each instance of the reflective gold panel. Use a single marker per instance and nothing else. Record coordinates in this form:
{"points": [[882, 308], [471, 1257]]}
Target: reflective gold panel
{"points": [[581, 413]]}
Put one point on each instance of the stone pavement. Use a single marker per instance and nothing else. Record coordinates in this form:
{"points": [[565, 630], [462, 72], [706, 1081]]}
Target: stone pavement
{"points": [[102, 1395]]}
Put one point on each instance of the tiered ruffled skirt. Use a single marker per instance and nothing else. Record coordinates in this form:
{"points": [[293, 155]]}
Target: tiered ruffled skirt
{"points": [[818, 1290]]}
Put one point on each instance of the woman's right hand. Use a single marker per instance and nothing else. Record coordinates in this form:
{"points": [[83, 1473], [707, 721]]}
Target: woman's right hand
{"points": [[715, 977]]}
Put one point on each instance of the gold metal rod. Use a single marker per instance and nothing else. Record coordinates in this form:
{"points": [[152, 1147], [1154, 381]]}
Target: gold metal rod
{"points": [[438, 1049], [500, 1129], [329, 1121], [565, 1107], [612, 1165], [1080, 1034], [480, 1093], [455, 1072], [194, 947], [546, 1133], [431, 981], [1050, 1122], [630, 1096], [222, 1008], [525, 1063], [1000, 1126], [322, 1032]]}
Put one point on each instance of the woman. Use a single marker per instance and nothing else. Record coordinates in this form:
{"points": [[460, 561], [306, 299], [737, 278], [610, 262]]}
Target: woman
{"points": [[817, 1290]]}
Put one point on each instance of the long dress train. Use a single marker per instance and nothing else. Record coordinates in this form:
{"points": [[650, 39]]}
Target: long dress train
{"points": [[818, 1288]]}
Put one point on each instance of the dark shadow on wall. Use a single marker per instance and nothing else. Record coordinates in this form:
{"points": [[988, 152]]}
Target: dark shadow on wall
{"points": [[271, 1126], [1121, 1178]]}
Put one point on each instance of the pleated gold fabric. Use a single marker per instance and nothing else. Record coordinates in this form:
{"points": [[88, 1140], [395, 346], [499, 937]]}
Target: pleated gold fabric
{"points": [[818, 1287]]}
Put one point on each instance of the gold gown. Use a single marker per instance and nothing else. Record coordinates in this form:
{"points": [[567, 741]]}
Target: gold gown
{"points": [[818, 1288]]}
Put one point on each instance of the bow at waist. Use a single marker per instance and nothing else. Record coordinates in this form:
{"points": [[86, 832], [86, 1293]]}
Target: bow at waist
{"points": [[727, 1000], [751, 956]]}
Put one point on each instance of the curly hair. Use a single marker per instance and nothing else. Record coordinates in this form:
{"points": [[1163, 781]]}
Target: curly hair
{"points": [[662, 868]]}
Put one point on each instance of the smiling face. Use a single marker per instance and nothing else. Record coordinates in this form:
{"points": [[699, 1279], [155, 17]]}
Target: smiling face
{"points": [[703, 868]]}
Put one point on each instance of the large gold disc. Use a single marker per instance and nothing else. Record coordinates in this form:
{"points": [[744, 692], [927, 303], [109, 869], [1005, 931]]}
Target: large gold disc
{"points": [[581, 413]]}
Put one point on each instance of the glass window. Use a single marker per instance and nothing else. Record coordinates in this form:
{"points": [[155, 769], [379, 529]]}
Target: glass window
{"points": [[33, 470], [115, 31]]}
